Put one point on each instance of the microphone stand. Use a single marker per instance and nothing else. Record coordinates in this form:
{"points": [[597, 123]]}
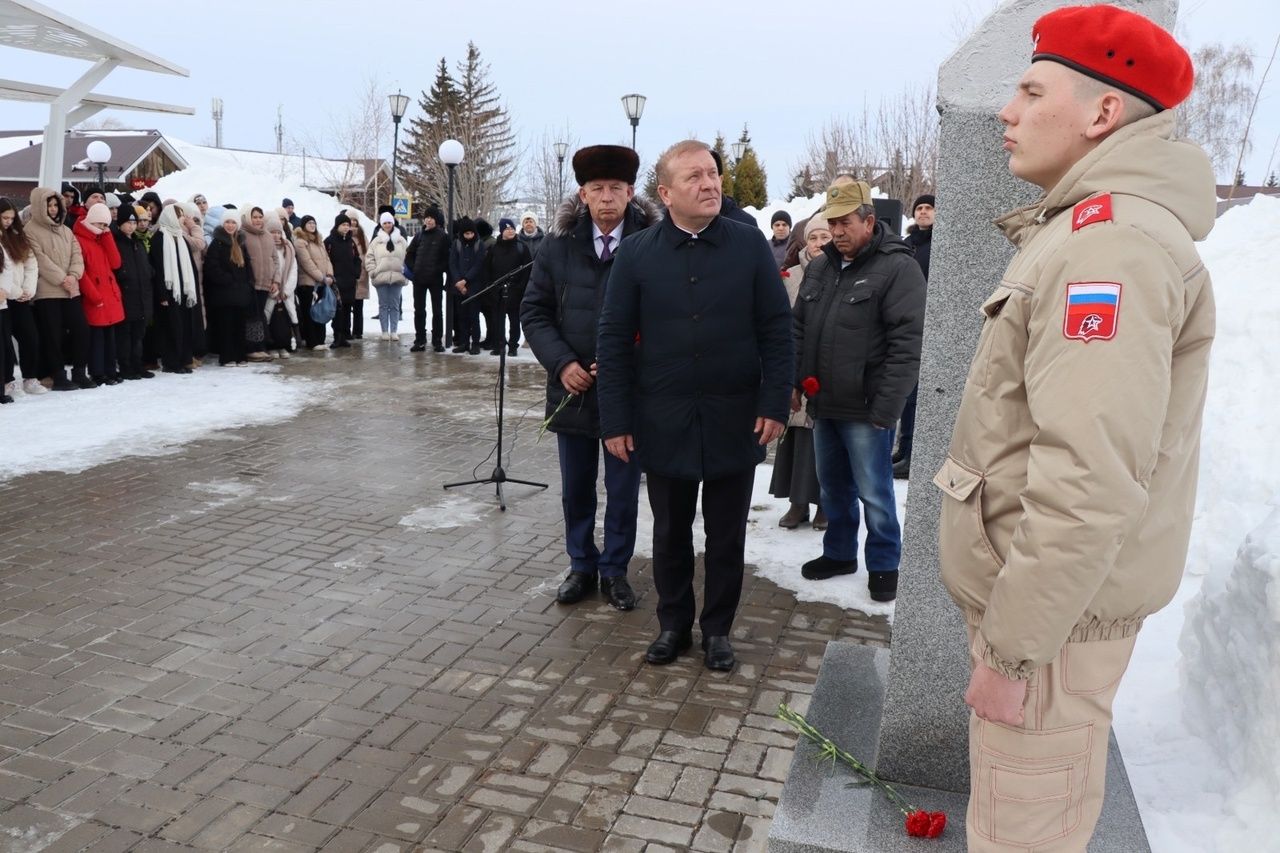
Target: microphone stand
{"points": [[499, 475]]}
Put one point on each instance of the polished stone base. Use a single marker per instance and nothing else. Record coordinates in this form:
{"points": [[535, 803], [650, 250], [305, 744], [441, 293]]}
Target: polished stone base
{"points": [[819, 812]]}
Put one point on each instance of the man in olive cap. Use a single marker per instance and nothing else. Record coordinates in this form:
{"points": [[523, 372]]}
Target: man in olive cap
{"points": [[859, 319], [1070, 483], [559, 313]]}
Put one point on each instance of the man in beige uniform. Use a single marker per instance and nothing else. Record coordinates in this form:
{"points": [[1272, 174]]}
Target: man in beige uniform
{"points": [[1070, 481]]}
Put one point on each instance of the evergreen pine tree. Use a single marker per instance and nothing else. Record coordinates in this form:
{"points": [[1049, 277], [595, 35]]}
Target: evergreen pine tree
{"points": [[749, 182], [1239, 177], [726, 179], [1271, 180], [437, 120], [487, 137], [651, 186]]}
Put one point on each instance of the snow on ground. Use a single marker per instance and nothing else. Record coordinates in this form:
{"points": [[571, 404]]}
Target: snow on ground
{"points": [[1191, 797], [777, 554], [148, 418]]}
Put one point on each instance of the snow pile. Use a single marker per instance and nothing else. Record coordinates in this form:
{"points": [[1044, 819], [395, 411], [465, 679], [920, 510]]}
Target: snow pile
{"points": [[80, 429], [252, 178], [1190, 798], [1231, 663], [800, 208]]}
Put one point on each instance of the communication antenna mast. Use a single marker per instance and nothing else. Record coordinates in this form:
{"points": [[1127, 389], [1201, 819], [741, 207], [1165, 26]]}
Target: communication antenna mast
{"points": [[280, 129], [217, 122]]}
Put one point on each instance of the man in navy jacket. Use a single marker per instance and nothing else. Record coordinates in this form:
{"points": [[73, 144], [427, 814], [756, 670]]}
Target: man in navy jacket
{"points": [[695, 363]]}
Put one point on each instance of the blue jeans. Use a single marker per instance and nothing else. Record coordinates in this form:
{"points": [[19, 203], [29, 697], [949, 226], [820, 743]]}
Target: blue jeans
{"points": [[855, 463], [389, 306], [579, 467]]}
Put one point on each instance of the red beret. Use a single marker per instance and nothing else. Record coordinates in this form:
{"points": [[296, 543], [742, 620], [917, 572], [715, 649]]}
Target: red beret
{"points": [[1118, 47]]}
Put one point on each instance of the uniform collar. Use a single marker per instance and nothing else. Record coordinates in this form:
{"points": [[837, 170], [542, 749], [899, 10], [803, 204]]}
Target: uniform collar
{"points": [[713, 233]]}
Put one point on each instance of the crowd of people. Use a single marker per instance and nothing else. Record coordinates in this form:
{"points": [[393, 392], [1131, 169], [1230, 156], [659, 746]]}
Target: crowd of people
{"points": [[103, 289]]}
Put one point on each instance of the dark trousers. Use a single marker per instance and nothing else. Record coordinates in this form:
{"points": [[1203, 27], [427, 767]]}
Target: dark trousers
{"points": [[461, 330], [59, 320], [907, 424], [468, 333], [22, 327], [102, 352], [129, 336], [725, 503], [175, 343], [420, 292], [311, 331], [228, 324], [342, 322], [357, 319], [579, 469], [499, 318]]}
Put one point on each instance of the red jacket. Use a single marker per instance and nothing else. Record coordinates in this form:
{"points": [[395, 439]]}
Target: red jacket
{"points": [[100, 294]]}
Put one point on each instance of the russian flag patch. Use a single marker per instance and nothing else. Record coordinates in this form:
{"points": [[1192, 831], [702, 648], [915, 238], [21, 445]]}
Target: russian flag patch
{"points": [[1093, 310]]}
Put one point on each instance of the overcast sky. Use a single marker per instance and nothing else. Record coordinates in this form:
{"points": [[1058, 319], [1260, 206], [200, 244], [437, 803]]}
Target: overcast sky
{"points": [[784, 68]]}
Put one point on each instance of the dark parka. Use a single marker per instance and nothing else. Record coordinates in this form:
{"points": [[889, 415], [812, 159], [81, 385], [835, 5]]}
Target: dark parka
{"points": [[921, 241], [714, 350], [137, 287], [503, 258], [428, 257], [533, 242], [561, 307], [225, 284], [858, 330], [464, 261], [344, 254]]}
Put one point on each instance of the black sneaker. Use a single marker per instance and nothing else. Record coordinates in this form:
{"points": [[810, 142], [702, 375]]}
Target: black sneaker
{"points": [[458, 349], [883, 586], [418, 348], [438, 348], [824, 567]]}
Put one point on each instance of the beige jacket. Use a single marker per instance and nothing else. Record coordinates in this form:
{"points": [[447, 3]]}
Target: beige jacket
{"points": [[57, 250], [262, 254], [313, 261], [384, 262], [1071, 478]]}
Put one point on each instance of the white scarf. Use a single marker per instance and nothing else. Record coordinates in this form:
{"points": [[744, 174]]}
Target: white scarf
{"points": [[177, 260]]}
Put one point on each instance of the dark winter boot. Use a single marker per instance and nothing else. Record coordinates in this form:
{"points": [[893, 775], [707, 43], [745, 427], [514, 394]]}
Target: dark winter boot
{"points": [[883, 586], [797, 515], [902, 469], [824, 567], [60, 382], [80, 380]]}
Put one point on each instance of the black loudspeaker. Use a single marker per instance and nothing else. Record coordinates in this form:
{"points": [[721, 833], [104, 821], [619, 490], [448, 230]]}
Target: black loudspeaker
{"points": [[889, 211]]}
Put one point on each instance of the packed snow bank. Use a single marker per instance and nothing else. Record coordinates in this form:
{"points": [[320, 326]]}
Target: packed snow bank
{"points": [[1191, 796], [802, 208], [778, 554], [80, 429]]}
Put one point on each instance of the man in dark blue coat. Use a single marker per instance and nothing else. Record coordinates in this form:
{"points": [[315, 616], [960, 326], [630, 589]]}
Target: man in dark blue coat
{"points": [[695, 364], [560, 312], [465, 257]]}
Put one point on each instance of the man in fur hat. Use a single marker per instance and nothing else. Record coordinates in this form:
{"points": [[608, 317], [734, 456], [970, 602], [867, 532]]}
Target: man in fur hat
{"points": [[560, 310]]}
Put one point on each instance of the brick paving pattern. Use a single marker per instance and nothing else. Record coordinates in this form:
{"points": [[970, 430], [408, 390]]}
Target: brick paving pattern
{"points": [[290, 638]]}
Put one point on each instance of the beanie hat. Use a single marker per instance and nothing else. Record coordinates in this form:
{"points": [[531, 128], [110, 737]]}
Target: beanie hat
{"points": [[504, 224], [463, 225], [528, 214], [340, 219], [288, 202], [306, 219], [605, 163], [927, 198], [113, 201], [385, 217], [780, 216], [433, 213], [484, 229], [815, 223], [126, 213], [95, 189], [98, 215], [152, 197], [141, 212], [1118, 47], [274, 224]]}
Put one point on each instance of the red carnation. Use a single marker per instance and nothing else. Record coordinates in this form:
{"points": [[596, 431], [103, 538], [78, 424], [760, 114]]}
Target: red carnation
{"points": [[810, 386], [937, 823], [786, 274], [918, 824]]}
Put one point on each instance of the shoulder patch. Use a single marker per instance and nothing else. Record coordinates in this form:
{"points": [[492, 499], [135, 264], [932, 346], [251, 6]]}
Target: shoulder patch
{"points": [[1092, 310], [1091, 210]]}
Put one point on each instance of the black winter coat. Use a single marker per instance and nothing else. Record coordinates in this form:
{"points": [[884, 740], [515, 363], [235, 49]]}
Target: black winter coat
{"points": [[532, 243], [921, 240], [137, 284], [858, 330], [561, 307], [225, 284], [345, 258], [730, 209], [464, 262], [504, 257], [714, 350], [428, 257]]}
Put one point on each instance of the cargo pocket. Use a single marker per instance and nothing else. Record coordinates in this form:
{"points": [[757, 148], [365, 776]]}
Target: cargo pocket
{"points": [[1031, 784], [1094, 668], [962, 532]]}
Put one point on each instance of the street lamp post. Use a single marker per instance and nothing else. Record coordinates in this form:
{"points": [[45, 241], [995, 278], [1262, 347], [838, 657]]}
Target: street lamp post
{"points": [[634, 105], [451, 154], [562, 148], [738, 149], [99, 152], [399, 103]]}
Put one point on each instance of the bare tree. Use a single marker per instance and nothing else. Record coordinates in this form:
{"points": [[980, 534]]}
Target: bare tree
{"points": [[1216, 113], [1245, 143], [894, 147], [349, 146], [546, 180]]}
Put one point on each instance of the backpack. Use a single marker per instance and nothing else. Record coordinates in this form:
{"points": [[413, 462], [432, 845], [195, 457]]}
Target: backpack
{"points": [[325, 304]]}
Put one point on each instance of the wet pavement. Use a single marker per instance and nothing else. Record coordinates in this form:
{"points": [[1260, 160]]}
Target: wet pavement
{"points": [[292, 638]]}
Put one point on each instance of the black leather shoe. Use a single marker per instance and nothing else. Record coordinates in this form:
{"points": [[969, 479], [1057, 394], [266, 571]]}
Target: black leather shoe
{"points": [[418, 348], [618, 593], [458, 349], [574, 587], [824, 567], [902, 469], [437, 348], [883, 586], [668, 647], [718, 653]]}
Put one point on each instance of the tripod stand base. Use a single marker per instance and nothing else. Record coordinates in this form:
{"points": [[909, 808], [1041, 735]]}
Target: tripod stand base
{"points": [[498, 477]]}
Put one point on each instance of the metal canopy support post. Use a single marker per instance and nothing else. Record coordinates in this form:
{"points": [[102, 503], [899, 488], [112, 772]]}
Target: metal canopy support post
{"points": [[61, 111]]}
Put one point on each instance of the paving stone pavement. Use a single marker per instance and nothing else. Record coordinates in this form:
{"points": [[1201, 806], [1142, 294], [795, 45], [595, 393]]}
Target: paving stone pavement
{"points": [[291, 638]]}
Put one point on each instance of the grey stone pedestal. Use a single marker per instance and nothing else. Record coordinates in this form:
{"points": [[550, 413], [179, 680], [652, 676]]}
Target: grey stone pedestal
{"points": [[819, 812]]}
